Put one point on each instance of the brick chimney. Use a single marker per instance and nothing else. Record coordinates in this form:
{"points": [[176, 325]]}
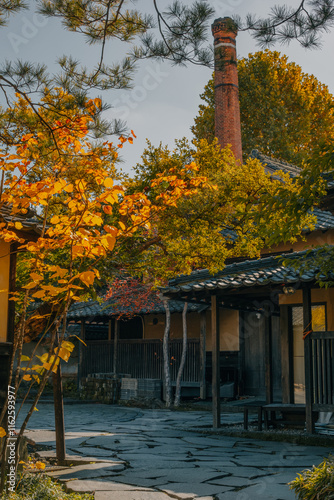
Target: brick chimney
{"points": [[227, 110]]}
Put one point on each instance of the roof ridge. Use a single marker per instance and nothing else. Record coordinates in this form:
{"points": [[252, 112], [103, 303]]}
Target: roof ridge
{"points": [[255, 153]]}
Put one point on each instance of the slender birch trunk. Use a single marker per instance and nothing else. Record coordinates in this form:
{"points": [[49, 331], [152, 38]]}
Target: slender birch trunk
{"points": [[166, 379], [183, 357]]}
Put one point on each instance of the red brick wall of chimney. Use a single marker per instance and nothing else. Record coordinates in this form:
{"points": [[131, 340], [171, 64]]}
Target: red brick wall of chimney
{"points": [[227, 109]]}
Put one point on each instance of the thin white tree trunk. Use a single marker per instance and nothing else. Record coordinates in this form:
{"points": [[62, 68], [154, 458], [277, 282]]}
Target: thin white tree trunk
{"points": [[166, 362], [183, 357]]}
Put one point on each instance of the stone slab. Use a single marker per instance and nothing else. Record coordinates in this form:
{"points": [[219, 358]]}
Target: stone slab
{"points": [[81, 486], [132, 495], [197, 489]]}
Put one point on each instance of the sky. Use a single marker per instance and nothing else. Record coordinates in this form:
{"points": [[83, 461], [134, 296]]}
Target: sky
{"points": [[164, 100]]}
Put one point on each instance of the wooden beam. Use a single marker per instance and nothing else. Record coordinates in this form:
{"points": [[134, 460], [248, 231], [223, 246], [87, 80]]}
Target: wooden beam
{"points": [[307, 323], [268, 352], [286, 356], [202, 351], [215, 334]]}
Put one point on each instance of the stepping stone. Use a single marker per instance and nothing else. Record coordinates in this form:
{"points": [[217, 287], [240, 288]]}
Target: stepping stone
{"points": [[87, 471], [132, 495], [195, 489], [80, 486]]}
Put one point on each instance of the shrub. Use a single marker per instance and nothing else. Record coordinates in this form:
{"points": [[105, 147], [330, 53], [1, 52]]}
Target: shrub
{"points": [[317, 483], [42, 487]]}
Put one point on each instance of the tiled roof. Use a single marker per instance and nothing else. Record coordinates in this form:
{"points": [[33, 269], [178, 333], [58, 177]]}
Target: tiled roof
{"points": [[94, 309], [325, 219], [273, 165], [29, 221], [264, 271]]}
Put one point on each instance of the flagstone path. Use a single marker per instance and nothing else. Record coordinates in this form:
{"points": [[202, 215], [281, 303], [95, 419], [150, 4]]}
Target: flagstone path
{"points": [[150, 455]]}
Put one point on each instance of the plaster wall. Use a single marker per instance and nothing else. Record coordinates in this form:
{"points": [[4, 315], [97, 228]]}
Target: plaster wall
{"points": [[229, 328], [313, 239], [4, 284]]}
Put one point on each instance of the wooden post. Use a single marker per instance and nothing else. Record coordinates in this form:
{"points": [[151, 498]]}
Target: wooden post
{"points": [[215, 361], [110, 329], [11, 288], [59, 416], [80, 356], [202, 353], [286, 355], [268, 348], [307, 324], [241, 355], [116, 337]]}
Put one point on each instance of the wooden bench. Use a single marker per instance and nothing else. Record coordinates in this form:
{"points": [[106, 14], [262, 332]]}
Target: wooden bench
{"points": [[256, 406], [294, 409]]}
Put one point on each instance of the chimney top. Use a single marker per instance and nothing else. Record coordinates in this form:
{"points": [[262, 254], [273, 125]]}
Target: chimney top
{"points": [[224, 24]]}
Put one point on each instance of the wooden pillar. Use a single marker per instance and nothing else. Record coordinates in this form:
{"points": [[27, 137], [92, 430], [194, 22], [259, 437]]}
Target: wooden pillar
{"points": [[116, 337], [80, 354], [268, 349], [59, 416], [202, 355], [11, 288], [286, 355], [110, 329], [307, 324], [215, 361], [241, 355]]}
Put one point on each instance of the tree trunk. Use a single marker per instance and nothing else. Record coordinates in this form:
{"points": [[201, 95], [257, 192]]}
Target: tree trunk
{"points": [[183, 357], [166, 380]]}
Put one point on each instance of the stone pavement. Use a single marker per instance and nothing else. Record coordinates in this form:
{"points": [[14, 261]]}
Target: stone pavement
{"points": [[150, 455]]}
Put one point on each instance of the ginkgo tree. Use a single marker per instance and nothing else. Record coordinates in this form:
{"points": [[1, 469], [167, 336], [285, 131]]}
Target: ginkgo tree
{"points": [[84, 215]]}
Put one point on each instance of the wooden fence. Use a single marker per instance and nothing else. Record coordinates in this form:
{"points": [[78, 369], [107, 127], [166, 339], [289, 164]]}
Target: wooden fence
{"points": [[140, 358], [322, 348]]}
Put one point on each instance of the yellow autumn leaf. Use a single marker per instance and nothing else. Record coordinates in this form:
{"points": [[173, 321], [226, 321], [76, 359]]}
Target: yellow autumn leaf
{"points": [[39, 295], [108, 182], [64, 354], [43, 358], [107, 209], [30, 285], [87, 277], [38, 368], [108, 241], [27, 378], [36, 277], [111, 229], [2, 432], [55, 219], [18, 225], [25, 358], [40, 465], [67, 345]]}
